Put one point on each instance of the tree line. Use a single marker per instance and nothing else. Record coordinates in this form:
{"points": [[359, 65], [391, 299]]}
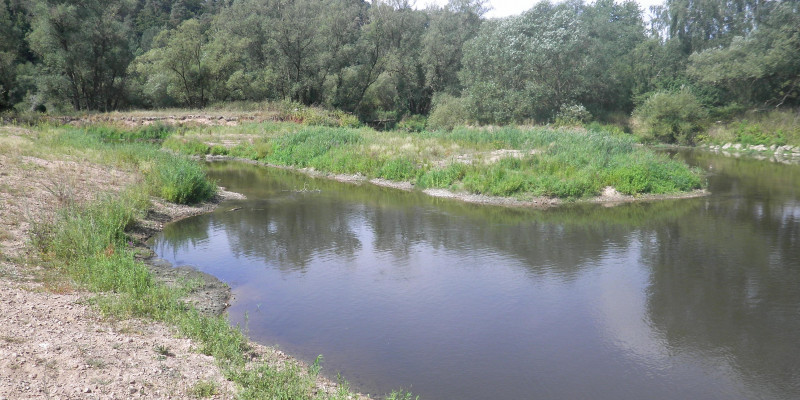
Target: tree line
{"points": [[385, 59]]}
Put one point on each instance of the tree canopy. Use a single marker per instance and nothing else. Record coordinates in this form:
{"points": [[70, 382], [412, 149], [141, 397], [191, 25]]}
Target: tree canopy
{"points": [[386, 59]]}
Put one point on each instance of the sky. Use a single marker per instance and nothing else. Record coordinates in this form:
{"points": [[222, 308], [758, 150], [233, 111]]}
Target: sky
{"points": [[504, 8]]}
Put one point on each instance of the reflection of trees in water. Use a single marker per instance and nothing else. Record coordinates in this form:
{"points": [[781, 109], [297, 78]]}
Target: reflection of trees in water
{"points": [[725, 271], [291, 230], [728, 282], [183, 236]]}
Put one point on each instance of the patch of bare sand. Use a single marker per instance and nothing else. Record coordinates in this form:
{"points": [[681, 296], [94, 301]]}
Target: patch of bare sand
{"points": [[31, 189], [54, 346], [486, 157]]}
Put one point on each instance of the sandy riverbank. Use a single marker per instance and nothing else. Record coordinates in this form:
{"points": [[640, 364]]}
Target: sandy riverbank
{"points": [[53, 343]]}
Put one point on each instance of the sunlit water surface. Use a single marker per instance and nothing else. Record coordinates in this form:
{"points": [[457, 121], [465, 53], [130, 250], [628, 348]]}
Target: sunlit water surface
{"points": [[675, 299]]}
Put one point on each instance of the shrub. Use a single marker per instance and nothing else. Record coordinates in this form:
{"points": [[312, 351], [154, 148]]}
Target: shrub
{"points": [[670, 117], [413, 123], [572, 115], [218, 150], [448, 112], [347, 120]]}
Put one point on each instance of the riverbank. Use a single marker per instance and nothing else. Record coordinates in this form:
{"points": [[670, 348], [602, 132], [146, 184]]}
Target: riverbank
{"points": [[60, 340], [531, 165], [784, 154]]}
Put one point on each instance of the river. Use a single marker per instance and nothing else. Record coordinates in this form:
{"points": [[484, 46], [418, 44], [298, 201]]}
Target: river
{"points": [[671, 299]]}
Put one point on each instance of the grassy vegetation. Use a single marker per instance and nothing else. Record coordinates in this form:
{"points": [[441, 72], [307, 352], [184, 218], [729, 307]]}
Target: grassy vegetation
{"points": [[172, 177], [560, 163], [777, 127], [88, 244]]}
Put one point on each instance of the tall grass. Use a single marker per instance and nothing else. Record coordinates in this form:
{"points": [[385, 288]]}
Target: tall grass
{"points": [[89, 244], [180, 180], [150, 133], [776, 127], [171, 176], [556, 163]]}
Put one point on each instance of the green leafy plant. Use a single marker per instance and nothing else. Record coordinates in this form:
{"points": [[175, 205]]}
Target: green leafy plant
{"points": [[670, 117], [447, 113], [204, 389]]}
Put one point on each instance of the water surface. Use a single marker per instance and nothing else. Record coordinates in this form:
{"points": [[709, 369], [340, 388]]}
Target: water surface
{"points": [[695, 298]]}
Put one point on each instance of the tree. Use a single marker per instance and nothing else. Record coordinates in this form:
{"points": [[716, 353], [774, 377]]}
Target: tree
{"points": [[290, 47], [526, 67], [385, 78], [702, 24], [9, 54], [613, 31], [178, 66], [449, 28], [85, 52], [761, 67]]}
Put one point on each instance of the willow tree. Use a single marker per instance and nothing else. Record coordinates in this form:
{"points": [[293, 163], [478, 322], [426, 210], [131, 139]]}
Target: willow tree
{"points": [[759, 68], [526, 67], [177, 67], [84, 50]]}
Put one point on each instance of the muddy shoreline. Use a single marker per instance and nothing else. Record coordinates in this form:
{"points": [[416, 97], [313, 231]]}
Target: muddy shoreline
{"points": [[208, 294]]}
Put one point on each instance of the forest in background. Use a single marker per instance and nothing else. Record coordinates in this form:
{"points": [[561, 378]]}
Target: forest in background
{"points": [[674, 67]]}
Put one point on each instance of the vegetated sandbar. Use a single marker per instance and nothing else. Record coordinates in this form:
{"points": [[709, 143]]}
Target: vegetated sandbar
{"points": [[533, 166], [609, 196]]}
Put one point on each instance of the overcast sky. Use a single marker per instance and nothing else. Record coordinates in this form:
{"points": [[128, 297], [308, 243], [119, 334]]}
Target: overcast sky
{"points": [[504, 8]]}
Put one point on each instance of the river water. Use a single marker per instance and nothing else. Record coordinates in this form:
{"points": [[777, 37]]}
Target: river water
{"points": [[673, 299]]}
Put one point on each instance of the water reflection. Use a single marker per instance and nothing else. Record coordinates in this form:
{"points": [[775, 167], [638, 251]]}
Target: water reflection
{"points": [[694, 298], [727, 280]]}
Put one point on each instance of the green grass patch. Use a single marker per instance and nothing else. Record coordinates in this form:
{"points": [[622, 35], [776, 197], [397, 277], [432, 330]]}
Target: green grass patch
{"points": [[180, 180], [173, 177], [149, 133], [560, 163], [204, 389], [565, 164], [188, 146], [776, 127]]}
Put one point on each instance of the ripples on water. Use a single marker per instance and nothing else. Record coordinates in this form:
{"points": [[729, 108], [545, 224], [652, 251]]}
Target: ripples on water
{"points": [[696, 298]]}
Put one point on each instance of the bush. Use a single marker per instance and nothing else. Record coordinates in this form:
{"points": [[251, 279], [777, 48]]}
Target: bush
{"points": [[448, 112], [670, 117], [347, 120], [572, 115], [413, 123]]}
